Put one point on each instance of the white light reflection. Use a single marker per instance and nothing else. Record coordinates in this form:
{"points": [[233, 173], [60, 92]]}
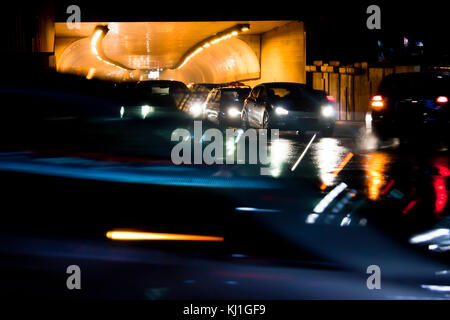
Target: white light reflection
{"points": [[323, 204], [303, 153], [435, 288], [327, 154], [311, 218], [280, 150], [248, 209], [430, 235]]}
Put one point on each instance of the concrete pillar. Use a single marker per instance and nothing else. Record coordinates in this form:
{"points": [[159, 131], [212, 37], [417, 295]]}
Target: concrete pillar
{"points": [[283, 54]]}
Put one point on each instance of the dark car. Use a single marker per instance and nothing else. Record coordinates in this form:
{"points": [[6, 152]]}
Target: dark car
{"points": [[289, 106], [223, 106], [408, 105], [148, 97]]}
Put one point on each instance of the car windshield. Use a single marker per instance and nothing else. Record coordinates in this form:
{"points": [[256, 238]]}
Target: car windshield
{"points": [[285, 91], [235, 95]]}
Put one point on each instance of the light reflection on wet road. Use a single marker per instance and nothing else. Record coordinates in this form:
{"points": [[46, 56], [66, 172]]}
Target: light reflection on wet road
{"points": [[368, 171]]}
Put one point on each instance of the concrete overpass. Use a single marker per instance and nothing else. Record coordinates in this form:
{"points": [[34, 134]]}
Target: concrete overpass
{"points": [[219, 51]]}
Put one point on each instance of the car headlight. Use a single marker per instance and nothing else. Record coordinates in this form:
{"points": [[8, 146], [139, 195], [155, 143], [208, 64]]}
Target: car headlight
{"points": [[281, 111], [327, 111], [196, 109], [122, 111], [234, 112], [145, 110]]}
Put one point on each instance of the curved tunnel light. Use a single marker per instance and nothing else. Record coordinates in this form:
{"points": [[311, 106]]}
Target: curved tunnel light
{"points": [[96, 48], [226, 34]]}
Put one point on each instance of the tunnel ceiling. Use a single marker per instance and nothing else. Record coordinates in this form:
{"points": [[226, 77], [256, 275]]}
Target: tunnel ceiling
{"points": [[150, 45]]}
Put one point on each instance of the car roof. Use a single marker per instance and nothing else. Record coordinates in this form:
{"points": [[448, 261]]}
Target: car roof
{"points": [[283, 83]]}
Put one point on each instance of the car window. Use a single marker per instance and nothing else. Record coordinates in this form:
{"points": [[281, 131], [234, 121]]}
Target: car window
{"points": [[217, 96], [255, 92], [211, 95], [284, 91]]}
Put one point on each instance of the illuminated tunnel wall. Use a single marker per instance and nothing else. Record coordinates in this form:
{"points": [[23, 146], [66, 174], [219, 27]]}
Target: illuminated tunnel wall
{"points": [[227, 61], [275, 55]]}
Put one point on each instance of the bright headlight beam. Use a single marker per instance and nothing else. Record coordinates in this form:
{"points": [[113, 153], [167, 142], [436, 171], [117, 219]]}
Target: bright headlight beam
{"points": [[327, 111], [196, 109], [234, 112], [281, 111], [145, 110]]}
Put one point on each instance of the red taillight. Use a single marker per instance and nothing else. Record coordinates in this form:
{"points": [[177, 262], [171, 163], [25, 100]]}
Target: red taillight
{"points": [[442, 99], [331, 98], [377, 102]]}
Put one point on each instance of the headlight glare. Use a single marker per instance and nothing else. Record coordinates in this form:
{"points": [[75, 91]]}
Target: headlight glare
{"points": [[234, 112], [196, 109], [145, 110], [281, 111], [327, 111]]}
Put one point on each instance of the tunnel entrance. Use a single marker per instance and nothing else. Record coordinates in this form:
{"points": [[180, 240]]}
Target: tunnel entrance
{"points": [[192, 52]]}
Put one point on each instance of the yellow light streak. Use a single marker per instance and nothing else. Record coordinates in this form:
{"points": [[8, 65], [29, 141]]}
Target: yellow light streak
{"points": [[212, 42], [134, 235], [91, 73]]}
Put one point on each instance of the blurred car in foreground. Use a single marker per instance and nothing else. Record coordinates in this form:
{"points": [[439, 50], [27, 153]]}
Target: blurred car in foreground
{"points": [[289, 106], [147, 97], [224, 105], [411, 105]]}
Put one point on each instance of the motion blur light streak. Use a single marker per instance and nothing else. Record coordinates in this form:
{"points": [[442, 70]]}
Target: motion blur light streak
{"points": [[303, 153], [91, 73], [255, 209], [409, 206], [132, 176], [323, 204], [132, 235], [430, 235], [311, 218], [441, 194], [438, 248], [443, 171], [388, 187], [437, 288], [341, 166]]}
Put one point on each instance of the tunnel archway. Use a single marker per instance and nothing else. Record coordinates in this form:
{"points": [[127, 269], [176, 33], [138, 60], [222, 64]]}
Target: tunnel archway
{"points": [[230, 60]]}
